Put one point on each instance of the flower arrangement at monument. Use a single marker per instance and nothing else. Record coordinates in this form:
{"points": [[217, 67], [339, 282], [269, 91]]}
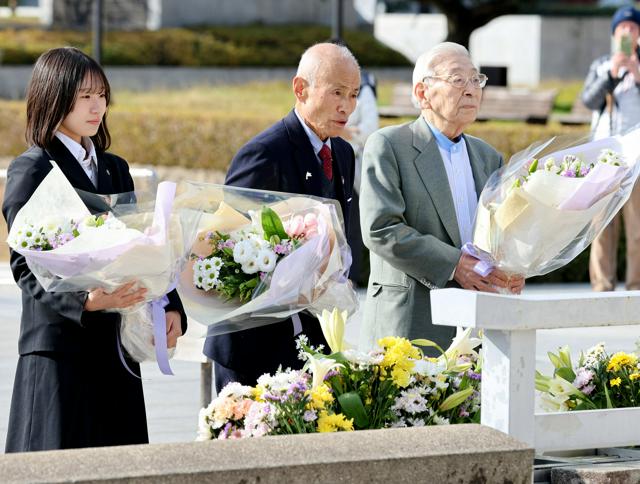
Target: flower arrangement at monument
{"points": [[600, 380], [393, 385]]}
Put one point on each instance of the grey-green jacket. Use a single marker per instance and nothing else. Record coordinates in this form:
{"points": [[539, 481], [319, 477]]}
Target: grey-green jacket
{"points": [[409, 224]]}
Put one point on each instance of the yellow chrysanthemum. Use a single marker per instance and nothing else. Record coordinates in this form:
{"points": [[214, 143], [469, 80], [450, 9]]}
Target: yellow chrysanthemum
{"points": [[399, 356], [615, 382], [320, 396], [257, 392], [621, 360], [634, 376], [334, 422]]}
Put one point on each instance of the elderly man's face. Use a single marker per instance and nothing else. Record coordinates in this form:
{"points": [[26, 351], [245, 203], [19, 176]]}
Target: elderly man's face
{"points": [[327, 104], [453, 104]]}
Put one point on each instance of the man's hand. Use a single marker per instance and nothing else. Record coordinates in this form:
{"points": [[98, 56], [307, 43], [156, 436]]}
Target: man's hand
{"points": [[497, 279], [174, 328], [123, 297]]}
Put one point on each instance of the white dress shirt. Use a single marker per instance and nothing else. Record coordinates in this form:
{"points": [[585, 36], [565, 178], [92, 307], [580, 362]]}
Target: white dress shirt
{"points": [[316, 142], [86, 156], [460, 176]]}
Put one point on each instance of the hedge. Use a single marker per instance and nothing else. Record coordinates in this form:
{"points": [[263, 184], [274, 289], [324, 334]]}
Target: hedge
{"points": [[210, 141], [254, 45]]}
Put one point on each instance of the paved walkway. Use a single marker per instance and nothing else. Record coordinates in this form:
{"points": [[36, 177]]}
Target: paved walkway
{"points": [[173, 402]]}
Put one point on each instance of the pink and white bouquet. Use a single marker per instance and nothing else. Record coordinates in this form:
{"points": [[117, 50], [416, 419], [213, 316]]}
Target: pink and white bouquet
{"points": [[68, 249], [261, 257], [546, 206]]}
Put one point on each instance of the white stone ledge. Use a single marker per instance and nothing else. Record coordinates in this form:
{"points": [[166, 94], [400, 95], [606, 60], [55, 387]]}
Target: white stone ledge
{"points": [[458, 307]]}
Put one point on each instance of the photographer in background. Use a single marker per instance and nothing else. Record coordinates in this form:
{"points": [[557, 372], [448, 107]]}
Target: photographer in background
{"points": [[612, 91]]}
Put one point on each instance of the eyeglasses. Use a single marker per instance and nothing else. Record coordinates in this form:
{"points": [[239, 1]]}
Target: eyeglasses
{"points": [[478, 81]]}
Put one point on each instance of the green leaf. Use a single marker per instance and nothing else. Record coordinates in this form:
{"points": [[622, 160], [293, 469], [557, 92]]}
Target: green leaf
{"points": [[426, 343], [566, 374], [606, 394], [534, 165], [272, 225], [352, 407], [452, 401], [555, 359]]}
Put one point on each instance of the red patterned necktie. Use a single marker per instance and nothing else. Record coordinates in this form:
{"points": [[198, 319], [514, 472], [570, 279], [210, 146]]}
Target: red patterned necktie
{"points": [[325, 156]]}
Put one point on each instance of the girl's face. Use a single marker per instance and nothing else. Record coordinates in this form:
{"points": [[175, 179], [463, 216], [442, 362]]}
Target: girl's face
{"points": [[87, 113]]}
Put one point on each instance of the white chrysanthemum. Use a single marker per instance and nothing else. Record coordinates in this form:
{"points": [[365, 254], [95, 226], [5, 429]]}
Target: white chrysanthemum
{"points": [[267, 260], [205, 275], [280, 382], [235, 390], [416, 422], [438, 420], [429, 368], [363, 359], [243, 251], [112, 223], [204, 428]]}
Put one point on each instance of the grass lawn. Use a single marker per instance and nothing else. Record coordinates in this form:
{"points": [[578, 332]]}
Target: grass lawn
{"points": [[203, 127]]}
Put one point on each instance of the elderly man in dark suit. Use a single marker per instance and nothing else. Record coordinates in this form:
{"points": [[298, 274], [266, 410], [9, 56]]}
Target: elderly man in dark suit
{"points": [[420, 187], [301, 153]]}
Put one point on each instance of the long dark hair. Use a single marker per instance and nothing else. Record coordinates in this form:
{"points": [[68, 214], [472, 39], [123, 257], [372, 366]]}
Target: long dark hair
{"points": [[57, 76]]}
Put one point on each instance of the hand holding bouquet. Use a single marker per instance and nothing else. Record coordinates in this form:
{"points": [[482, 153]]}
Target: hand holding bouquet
{"points": [[69, 249]]}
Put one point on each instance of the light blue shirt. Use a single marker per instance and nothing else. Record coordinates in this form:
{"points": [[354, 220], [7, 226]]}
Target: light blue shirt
{"points": [[460, 176], [316, 142]]}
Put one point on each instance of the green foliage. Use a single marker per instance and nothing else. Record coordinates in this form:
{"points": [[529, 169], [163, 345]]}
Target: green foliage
{"points": [[254, 45]]}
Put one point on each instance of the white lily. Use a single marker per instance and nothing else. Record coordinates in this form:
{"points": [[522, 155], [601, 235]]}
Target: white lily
{"points": [[332, 324], [320, 367], [462, 344]]}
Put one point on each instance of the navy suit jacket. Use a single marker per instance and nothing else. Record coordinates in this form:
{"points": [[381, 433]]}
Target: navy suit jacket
{"points": [[282, 159]]}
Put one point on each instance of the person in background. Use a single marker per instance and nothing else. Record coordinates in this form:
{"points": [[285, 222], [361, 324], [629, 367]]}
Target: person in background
{"points": [[612, 91], [301, 153], [71, 389], [420, 186]]}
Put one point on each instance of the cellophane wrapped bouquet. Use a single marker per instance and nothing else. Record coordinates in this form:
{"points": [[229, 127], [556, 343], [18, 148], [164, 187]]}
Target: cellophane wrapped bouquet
{"points": [[78, 241], [393, 385], [260, 257], [548, 204]]}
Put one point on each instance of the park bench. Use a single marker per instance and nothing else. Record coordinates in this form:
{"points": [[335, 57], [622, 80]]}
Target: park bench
{"points": [[498, 103], [509, 325], [580, 114]]}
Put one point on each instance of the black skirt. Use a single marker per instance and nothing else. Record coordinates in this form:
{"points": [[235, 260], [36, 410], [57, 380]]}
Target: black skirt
{"points": [[81, 399]]}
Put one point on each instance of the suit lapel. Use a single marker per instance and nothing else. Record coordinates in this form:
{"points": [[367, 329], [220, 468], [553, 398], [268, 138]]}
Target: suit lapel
{"points": [[306, 162], [478, 167], [434, 177], [70, 166]]}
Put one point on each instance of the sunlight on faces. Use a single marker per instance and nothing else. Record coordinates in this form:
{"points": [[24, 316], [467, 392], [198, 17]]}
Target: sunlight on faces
{"points": [[327, 104], [449, 108], [88, 110]]}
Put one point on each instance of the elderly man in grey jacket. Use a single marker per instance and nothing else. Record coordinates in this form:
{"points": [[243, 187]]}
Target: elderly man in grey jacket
{"points": [[419, 192]]}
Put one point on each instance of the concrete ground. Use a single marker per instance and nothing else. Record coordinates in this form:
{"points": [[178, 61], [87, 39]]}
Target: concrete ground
{"points": [[173, 401]]}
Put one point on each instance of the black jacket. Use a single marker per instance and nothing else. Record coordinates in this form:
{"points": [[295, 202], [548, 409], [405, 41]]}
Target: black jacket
{"points": [[56, 321]]}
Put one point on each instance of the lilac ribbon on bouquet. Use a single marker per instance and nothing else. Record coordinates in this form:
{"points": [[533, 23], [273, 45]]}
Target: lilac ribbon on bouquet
{"points": [[485, 263], [164, 203]]}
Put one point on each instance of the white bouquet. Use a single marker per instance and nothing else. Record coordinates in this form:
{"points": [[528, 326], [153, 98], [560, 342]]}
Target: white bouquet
{"points": [[69, 249], [548, 204]]}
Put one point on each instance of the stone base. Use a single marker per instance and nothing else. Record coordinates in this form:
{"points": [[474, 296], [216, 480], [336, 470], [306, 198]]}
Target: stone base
{"points": [[456, 453]]}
